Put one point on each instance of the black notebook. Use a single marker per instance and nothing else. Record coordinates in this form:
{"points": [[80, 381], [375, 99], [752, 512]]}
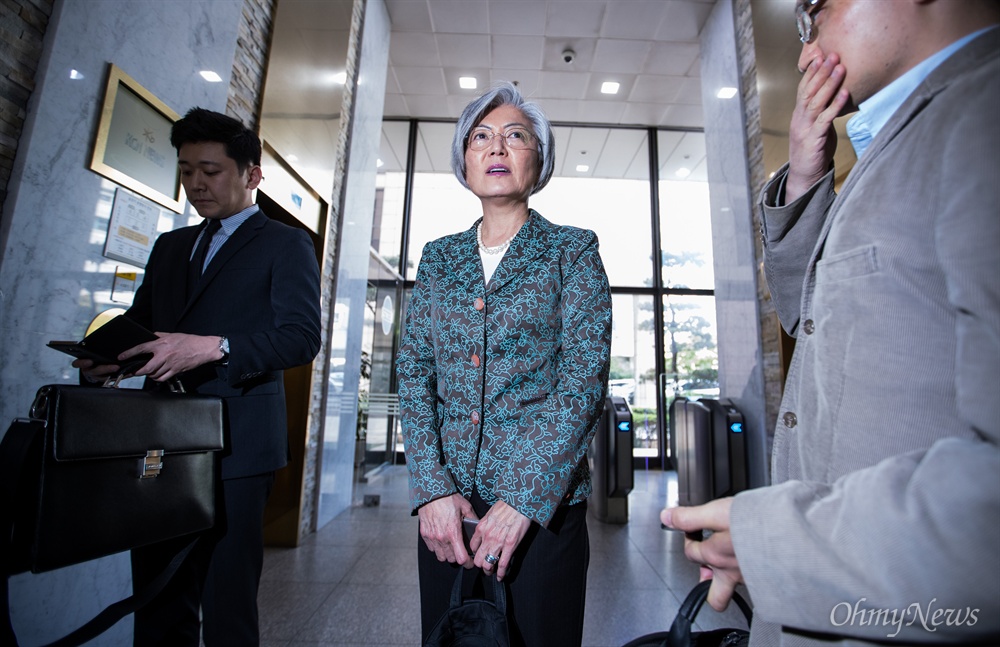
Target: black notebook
{"points": [[107, 342]]}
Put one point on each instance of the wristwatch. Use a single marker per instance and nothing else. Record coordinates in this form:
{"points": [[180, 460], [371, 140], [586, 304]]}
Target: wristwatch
{"points": [[224, 347]]}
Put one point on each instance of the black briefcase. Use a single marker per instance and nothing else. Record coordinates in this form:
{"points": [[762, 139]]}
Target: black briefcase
{"points": [[106, 470]]}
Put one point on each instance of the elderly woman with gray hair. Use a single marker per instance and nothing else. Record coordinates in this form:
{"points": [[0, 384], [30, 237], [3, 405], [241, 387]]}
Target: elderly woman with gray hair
{"points": [[502, 374]]}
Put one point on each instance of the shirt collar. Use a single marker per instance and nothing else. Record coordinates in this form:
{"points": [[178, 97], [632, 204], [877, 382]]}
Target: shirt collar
{"points": [[874, 113], [232, 223]]}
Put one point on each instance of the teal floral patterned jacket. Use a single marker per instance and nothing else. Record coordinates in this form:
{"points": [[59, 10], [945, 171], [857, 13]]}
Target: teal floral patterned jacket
{"points": [[502, 386]]}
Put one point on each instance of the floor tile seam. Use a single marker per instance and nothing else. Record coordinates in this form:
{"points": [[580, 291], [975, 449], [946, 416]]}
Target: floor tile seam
{"points": [[307, 621]]}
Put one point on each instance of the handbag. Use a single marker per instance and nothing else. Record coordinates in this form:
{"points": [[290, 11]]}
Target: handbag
{"points": [[96, 471], [680, 634], [472, 622]]}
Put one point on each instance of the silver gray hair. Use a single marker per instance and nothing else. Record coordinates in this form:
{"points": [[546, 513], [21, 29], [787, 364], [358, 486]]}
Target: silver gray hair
{"points": [[505, 93]]}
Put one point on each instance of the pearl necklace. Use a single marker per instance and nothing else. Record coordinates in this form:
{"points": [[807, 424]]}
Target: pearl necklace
{"points": [[492, 250]]}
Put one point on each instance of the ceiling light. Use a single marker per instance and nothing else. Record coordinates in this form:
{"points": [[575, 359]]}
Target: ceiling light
{"points": [[379, 163], [467, 82], [683, 172], [582, 168], [75, 75], [210, 76], [610, 87], [292, 158], [726, 93], [340, 78]]}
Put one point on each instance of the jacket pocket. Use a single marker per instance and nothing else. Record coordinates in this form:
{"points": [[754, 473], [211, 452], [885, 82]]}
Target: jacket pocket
{"points": [[847, 265]]}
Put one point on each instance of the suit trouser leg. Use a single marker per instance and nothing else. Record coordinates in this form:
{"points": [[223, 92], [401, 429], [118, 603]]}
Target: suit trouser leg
{"points": [[171, 619], [547, 584], [219, 578], [229, 599]]}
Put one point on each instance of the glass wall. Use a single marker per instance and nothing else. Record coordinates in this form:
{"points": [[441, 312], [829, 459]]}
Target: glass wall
{"points": [[656, 244]]}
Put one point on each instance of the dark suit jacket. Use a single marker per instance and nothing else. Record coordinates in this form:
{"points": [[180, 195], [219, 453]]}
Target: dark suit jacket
{"points": [[501, 385], [261, 290]]}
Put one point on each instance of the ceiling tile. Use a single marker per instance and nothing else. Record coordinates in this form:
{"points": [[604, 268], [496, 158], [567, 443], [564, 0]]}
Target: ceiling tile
{"points": [[407, 15], [459, 16], [576, 19], [642, 113], [563, 85], [637, 19], [427, 107], [671, 59], [564, 110], [614, 55], [421, 80], [407, 47], [517, 52], [683, 20], [526, 80], [520, 17], [658, 89], [683, 116], [598, 112], [460, 50], [395, 106], [690, 92]]}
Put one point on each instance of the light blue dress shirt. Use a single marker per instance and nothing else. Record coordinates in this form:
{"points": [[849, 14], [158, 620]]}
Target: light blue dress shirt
{"points": [[876, 111]]}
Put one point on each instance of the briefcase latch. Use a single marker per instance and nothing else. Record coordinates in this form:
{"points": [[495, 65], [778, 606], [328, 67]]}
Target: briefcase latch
{"points": [[150, 466]]}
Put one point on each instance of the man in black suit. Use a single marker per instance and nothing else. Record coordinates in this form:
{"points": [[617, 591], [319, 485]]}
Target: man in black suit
{"points": [[234, 301]]}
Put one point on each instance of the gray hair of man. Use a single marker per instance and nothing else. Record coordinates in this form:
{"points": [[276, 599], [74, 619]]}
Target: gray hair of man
{"points": [[505, 93]]}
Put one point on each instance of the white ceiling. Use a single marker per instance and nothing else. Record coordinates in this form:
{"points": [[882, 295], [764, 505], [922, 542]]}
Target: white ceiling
{"points": [[650, 47]]}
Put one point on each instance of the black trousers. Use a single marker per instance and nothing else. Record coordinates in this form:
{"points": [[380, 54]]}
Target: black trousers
{"points": [[547, 583], [219, 578]]}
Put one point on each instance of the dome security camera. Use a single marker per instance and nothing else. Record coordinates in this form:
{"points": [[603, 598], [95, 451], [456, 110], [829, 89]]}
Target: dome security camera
{"points": [[568, 55]]}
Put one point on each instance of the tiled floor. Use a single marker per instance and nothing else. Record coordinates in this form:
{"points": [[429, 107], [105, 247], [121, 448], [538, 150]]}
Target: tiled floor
{"points": [[355, 581]]}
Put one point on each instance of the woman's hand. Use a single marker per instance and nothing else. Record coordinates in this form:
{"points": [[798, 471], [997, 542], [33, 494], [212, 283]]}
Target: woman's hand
{"points": [[441, 528], [498, 534]]}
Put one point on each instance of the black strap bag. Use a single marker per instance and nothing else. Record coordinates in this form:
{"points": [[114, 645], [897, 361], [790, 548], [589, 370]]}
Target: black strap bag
{"points": [[97, 471], [473, 622], [680, 634]]}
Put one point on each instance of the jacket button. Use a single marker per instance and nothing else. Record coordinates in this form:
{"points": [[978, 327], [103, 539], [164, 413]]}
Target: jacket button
{"points": [[475, 417], [475, 360], [789, 419], [480, 304], [808, 326]]}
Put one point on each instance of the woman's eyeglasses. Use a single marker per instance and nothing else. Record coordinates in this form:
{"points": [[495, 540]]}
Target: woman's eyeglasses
{"points": [[514, 138]]}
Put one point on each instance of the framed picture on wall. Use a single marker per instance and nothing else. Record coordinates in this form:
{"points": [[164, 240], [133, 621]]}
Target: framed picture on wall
{"points": [[132, 147]]}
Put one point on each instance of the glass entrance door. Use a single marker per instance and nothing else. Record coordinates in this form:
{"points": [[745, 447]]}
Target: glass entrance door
{"points": [[379, 406]]}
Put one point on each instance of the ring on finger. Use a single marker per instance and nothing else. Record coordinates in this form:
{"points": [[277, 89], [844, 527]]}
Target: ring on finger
{"points": [[491, 559]]}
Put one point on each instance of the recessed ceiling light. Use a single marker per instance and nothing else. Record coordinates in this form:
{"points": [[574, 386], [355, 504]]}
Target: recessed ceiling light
{"points": [[467, 82], [340, 78], [610, 87], [210, 76], [292, 158], [682, 172], [726, 93], [379, 163], [582, 168], [75, 75]]}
